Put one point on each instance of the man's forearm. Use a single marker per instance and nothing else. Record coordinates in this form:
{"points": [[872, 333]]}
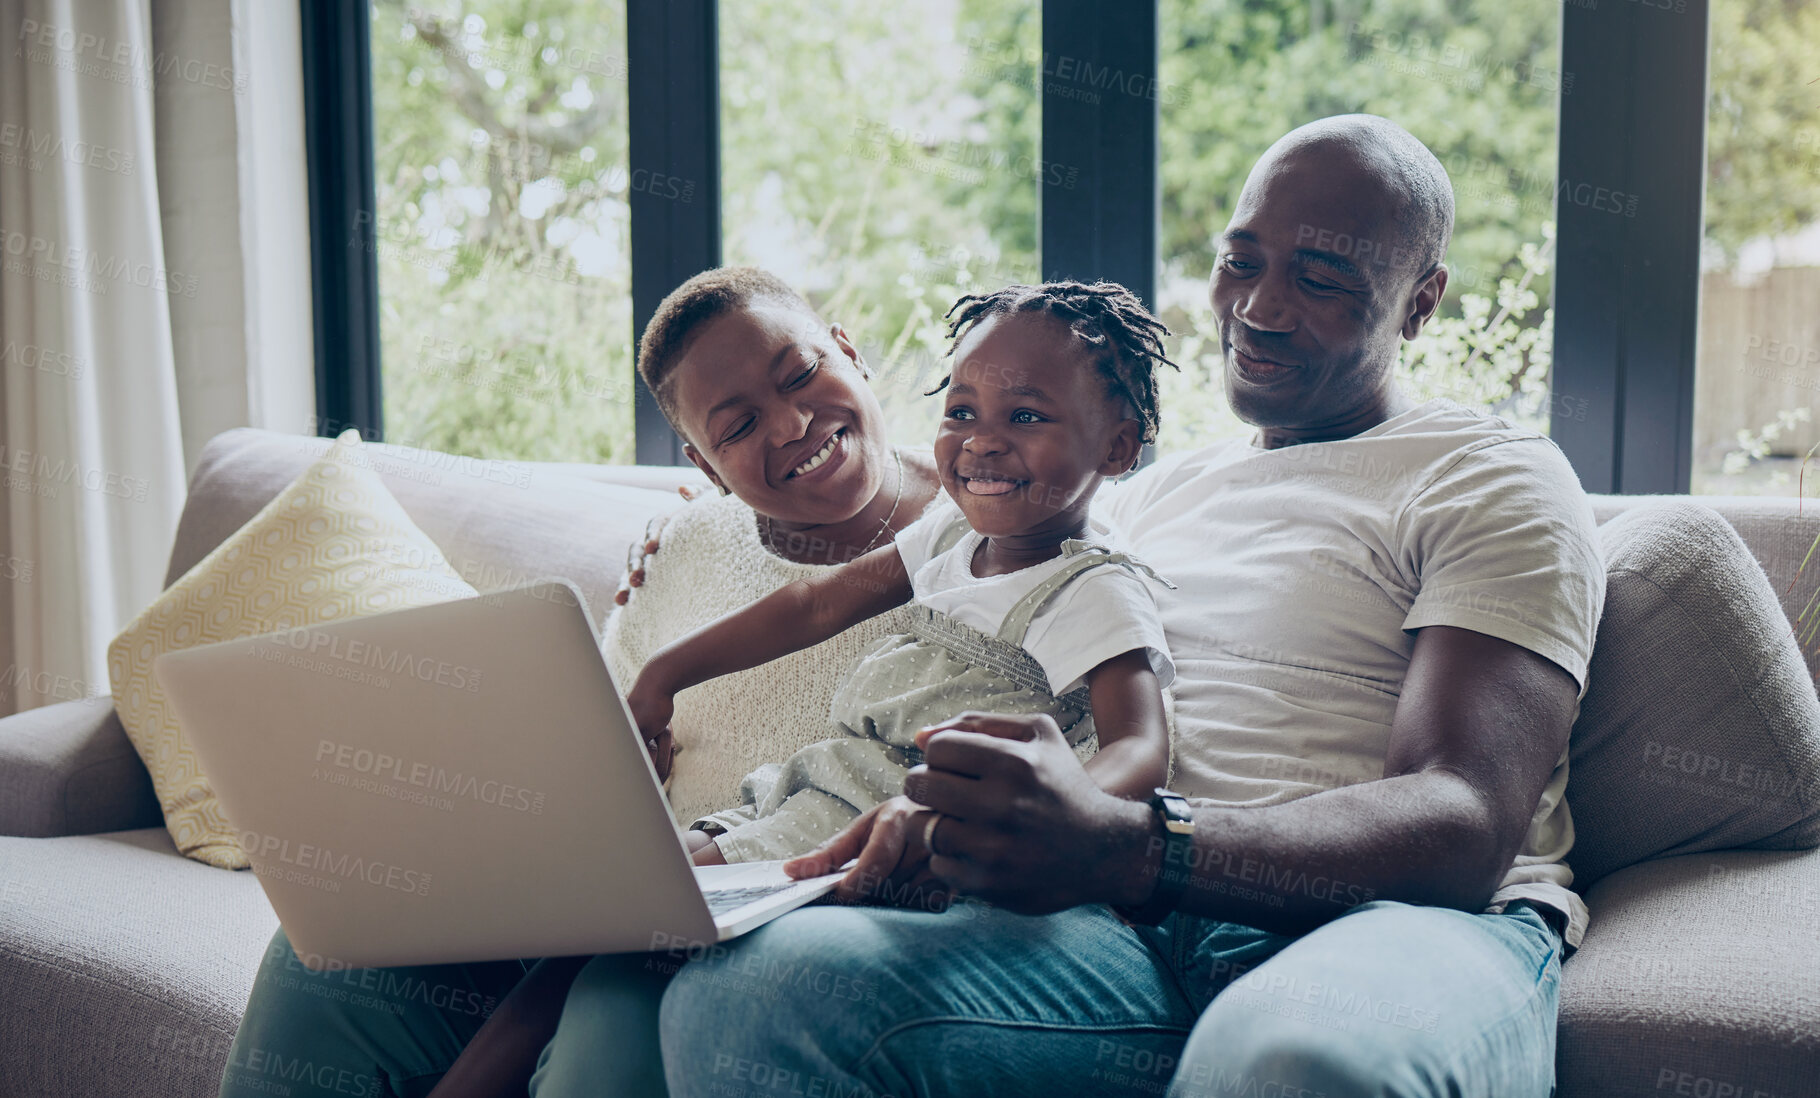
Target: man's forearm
{"points": [[1422, 838]]}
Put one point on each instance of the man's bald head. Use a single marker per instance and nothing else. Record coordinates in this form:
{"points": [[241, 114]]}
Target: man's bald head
{"points": [[1331, 260], [1386, 158]]}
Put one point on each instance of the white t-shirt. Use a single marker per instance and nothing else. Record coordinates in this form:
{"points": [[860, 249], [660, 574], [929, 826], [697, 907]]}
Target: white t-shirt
{"points": [[1100, 614], [1304, 572]]}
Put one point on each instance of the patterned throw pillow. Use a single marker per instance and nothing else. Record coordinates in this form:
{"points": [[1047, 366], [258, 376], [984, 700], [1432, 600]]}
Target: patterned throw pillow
{"points": [[334, 544]]}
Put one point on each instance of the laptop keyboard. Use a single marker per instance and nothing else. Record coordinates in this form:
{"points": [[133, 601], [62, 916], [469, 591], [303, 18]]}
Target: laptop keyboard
{"points": [[723, 900]]}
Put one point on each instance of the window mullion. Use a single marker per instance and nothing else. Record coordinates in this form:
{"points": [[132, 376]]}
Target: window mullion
{"points": [[673, 94], [1628, 205]]}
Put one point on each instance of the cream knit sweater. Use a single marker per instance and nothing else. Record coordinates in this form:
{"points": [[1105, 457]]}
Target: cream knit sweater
{"points": [[711, 562]]}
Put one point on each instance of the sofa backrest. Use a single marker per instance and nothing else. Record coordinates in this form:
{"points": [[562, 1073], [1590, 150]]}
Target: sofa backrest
{"points": [[500, 523]]}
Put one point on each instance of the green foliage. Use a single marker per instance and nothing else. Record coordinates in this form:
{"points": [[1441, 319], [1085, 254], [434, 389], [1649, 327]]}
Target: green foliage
{"points": [[1476, 82], [885, 158], [1763, 121], [505, 283], [882, 158]]}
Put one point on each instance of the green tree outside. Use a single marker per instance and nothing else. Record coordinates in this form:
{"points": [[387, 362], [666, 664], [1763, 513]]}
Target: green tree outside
{"points": [[885, 159]]}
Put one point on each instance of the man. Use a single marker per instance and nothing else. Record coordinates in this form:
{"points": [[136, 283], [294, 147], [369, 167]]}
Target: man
{"points": [[1382, 632]]}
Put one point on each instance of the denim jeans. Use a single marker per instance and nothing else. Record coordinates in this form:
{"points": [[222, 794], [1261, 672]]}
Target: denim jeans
{"points": [[363, 1031], [839, 1002], [1388, 999], [394, 1032]]}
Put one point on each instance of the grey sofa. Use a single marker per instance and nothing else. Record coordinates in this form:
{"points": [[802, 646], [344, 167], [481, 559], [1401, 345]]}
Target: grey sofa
{"points": [[124, 967]]}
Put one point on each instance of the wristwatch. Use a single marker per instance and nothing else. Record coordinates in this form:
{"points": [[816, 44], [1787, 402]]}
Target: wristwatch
{"points": [[1177, 818]]}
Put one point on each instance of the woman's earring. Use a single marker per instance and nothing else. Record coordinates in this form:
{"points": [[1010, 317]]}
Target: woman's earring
{"points": [[723, 490]]}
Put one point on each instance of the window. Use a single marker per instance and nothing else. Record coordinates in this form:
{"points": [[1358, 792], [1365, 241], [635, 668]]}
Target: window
{"points": [[910, 157], [1477, 82], [883, 158], [500, 148], [1757, 387]]}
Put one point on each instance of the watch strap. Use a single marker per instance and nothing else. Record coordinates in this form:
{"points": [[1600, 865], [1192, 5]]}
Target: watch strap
{"points": [[1176, 820]]}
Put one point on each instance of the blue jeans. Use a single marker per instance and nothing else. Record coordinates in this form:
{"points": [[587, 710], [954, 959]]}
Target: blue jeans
{"points": [[394, 1032], [837, 1002], [365, 1031], [1388, 999]]}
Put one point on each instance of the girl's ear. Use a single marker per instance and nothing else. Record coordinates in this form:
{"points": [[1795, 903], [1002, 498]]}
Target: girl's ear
{"points": [[695, 458], [1127, 446], [847, 347]]}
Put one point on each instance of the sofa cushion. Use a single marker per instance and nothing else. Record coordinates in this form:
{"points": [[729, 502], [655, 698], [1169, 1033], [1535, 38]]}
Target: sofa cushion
{"points": [[333, 545], [1700, 975], [1700, 729], [1779, 531], [499, 523], [124, 967], [68, 769]]}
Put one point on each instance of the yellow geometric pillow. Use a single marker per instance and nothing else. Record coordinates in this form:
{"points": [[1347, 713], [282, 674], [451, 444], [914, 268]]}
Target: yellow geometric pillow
{"points": [[334, 544]]}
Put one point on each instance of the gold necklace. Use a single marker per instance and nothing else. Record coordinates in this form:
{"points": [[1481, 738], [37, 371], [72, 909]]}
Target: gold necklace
{"points": [[883, 527]]}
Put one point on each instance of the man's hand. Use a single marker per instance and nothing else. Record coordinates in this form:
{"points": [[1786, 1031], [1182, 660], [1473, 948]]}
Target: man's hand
{"points": [[893, 866], [1023, 825]]}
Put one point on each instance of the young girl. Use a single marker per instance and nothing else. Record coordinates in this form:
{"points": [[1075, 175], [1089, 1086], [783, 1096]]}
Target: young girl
{"points": [[1023, 604]]}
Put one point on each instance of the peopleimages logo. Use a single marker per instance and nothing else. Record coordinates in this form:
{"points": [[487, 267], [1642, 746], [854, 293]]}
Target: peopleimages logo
{"points": [[393, 661], [282, 856], [40, 473], [379, 765], [52, 260]]}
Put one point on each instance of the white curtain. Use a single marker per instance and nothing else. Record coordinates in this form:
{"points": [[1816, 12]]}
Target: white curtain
{"points": [[154, 292]]}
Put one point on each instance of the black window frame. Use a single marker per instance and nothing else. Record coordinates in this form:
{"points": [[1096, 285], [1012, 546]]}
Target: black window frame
{"points": [[1627, 280], [344, 261]]}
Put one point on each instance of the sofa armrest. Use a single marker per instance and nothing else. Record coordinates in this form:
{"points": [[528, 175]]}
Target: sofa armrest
{"points": [[68, 769]]}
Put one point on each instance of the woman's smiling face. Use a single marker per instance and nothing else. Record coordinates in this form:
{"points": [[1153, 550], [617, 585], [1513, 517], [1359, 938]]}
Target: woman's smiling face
{"points": [[775, 408]]}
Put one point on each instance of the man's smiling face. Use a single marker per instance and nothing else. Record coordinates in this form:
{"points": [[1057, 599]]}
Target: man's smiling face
{"points": [[1314, 288]]}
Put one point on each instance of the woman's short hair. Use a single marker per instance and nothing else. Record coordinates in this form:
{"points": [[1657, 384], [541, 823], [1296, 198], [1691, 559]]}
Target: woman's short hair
{"points": [[689, 307]]}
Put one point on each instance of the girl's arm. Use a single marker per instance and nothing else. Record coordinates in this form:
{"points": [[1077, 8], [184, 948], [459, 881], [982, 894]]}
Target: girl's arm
{"points": [[503, 1053], [790, 619], [502, 1056], [1134, 733]]}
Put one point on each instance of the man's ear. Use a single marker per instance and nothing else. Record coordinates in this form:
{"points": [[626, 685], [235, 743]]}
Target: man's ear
{"points": [[1426, 300], [848, 348], [1127, 446], [695, 458]]}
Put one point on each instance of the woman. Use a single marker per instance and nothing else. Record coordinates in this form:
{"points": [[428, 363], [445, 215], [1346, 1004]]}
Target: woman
{"points": [[774, 408]]}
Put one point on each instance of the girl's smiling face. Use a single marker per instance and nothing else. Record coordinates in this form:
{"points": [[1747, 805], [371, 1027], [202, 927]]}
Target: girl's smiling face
{"points": [[776, 409], [1029, 429]]}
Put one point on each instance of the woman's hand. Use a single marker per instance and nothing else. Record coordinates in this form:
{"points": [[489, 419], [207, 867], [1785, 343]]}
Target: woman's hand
{"points": [[893, 865], [639, 550]]}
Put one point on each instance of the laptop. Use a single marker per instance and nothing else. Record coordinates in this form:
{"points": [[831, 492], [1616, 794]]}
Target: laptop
{"points": [[452, 783]]}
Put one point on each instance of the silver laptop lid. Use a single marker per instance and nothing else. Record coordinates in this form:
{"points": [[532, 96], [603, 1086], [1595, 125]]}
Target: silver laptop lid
{"points": [[457, 782]]}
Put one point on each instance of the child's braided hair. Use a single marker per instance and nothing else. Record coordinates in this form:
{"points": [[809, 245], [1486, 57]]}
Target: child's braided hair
{"points": [[1125, 339]]}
